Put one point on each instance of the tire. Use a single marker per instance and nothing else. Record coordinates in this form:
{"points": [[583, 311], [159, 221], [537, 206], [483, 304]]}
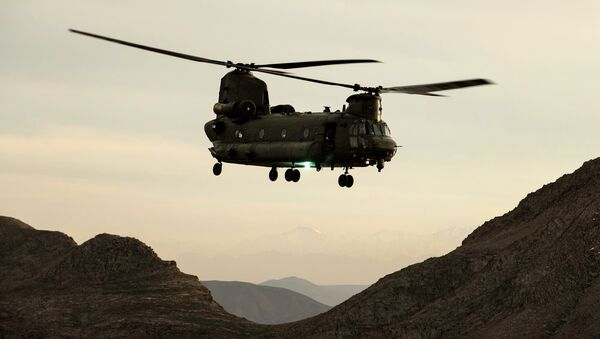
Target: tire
{"points": [[273, 174], [295, 175], [342, 180], [349, 181], [288, 175], [217, 168]]}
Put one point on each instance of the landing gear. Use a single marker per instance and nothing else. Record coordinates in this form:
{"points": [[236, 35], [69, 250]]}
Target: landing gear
{"points": [[349, 181], [346, 180], [273, 174], [342, 180], [380, 164], [292, 174], [217, 168]]}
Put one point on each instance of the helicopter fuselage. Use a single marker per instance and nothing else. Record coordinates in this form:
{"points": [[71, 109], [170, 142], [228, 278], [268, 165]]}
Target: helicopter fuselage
{"points": [[310, 139]]}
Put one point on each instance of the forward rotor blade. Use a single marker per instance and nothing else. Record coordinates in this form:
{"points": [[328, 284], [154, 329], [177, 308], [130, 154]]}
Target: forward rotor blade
{"points": [[152, 49], [176, 54], [301, 64], [426, 89]]}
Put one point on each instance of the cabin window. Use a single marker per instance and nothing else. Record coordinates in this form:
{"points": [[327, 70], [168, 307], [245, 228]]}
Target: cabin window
{"points": [[238, 134], [283, 133], [266, 98], [306, 133], [261, 133]]}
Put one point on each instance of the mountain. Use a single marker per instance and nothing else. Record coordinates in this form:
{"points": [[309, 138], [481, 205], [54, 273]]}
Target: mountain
{"points": [[109, 286], [263, 304], [530, 273], [327, 294]]}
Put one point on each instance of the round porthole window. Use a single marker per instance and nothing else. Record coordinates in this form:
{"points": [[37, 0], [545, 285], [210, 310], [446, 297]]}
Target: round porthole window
{"points": [[306, 132], [261, 133], [283, 133]]}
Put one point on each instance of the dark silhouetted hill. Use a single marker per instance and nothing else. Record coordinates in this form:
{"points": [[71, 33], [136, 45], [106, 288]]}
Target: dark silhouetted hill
{"points": [[109, 286], [263, 304], [530, 273], [327, 294]]}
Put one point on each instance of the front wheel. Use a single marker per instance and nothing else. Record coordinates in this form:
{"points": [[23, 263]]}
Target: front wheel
{"points": [[349, 181]]}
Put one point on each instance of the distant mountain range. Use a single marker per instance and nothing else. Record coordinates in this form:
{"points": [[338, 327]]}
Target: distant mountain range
{"points": [[331, 295], [279, 301], [263, 304]]}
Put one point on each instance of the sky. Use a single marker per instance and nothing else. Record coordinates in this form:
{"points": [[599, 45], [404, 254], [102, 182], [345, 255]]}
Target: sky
{"points": [[101, 138]]}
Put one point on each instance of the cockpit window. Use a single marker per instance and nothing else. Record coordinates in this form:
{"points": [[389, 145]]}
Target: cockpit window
{"points": [[361, 129], [386, 130], [369, 127], [374, 129], [378, 129]]}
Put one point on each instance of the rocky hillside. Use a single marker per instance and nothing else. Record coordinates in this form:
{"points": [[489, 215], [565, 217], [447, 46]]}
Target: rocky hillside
{"points": [[532, 272], [109, 286], [263, 304]]}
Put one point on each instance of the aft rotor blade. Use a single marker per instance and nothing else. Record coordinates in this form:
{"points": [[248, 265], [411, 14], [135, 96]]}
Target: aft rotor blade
{"points": [[301, 64], [355, 87], [426, 89]]}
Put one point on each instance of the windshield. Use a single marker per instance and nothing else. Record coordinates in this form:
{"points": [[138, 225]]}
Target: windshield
{"points": [[374, 129]]}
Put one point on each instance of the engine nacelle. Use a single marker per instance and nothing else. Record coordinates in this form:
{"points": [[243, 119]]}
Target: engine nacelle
{"points": [[238, 110]]}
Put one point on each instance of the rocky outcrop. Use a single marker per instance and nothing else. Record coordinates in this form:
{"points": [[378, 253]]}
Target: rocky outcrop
{"points": [[109, 286], [532, 272]]}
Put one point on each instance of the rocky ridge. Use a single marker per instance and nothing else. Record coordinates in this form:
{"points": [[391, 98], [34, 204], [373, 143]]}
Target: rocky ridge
{"points": [[532, 272], [109, 286]]}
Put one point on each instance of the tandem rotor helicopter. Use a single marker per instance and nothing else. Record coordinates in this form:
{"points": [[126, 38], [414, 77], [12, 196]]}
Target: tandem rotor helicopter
{"points": [[248, 130]]}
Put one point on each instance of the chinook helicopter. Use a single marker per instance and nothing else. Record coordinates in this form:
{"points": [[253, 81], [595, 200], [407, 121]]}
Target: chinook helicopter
{"points": [[248, 130]]}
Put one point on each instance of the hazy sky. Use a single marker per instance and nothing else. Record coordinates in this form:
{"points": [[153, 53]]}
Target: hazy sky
{"points": [[97, 137]]}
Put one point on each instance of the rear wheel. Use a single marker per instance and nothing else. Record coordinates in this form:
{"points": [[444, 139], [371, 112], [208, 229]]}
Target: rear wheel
{"points": [[273, 174], [217, 168]]}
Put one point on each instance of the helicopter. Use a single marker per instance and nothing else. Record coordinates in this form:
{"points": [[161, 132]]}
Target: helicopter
{"points": [[247, 130]]}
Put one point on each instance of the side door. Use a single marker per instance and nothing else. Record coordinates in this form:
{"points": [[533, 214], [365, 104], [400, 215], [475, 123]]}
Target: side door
{"points": [[354, 136], [329, 138]]}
